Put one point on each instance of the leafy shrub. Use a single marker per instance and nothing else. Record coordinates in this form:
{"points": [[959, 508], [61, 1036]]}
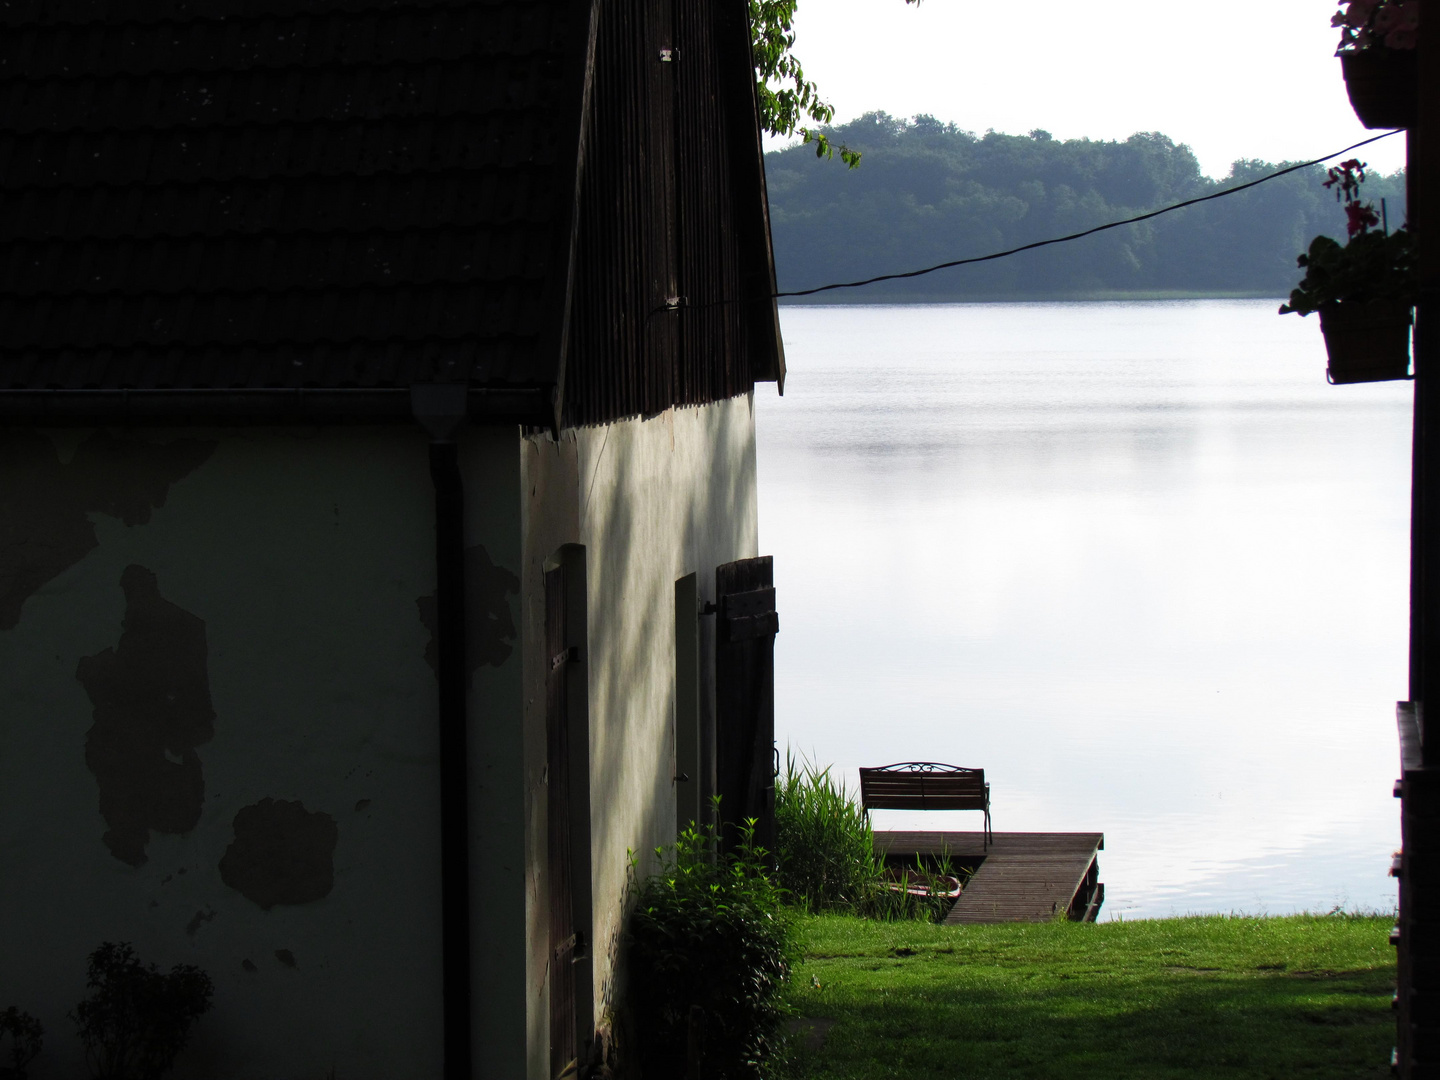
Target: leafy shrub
{"points": [[137, 1020], [26, 1037], [709, 930]]}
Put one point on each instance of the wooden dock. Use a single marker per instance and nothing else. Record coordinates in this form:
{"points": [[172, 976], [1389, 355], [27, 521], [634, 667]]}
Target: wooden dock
{"points": [[1023, 877]]}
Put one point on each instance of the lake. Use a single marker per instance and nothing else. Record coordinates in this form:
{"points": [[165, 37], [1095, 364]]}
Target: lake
{"points": [[1138, 561]]}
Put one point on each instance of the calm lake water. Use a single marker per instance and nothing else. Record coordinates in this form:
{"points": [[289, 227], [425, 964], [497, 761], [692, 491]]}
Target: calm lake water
{"points": [[1136, 560]]}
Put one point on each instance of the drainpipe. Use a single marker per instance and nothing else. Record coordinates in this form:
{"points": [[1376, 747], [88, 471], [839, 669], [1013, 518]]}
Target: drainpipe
{"points": [[441, 408]]}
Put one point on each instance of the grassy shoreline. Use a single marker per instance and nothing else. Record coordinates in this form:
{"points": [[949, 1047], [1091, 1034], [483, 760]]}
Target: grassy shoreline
{"points": [[1298, 996]]}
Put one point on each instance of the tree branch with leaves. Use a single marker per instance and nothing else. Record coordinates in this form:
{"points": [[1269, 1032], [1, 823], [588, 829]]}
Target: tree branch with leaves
{"points": [[790, 104]]}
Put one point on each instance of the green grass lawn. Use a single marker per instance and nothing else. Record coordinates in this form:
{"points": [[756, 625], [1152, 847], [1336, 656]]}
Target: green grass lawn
{"points": [[1206, 996]]}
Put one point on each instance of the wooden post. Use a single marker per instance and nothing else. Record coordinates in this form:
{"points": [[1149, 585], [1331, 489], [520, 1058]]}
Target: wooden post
{"points": [[1423, 168], [1417, 1000]]}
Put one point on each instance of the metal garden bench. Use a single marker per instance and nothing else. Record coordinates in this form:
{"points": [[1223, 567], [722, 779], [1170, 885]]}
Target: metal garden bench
{"points": [[926, 785]]}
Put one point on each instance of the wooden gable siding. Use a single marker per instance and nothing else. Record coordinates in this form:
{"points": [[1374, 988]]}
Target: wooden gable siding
{"points": [[671, 301]]}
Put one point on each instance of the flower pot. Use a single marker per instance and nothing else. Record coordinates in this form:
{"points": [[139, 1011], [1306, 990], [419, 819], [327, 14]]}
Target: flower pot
{"points": [[1366, 341], [1382, 84]]}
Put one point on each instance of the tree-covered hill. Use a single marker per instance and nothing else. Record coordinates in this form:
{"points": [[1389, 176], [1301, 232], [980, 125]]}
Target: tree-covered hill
{"points": [[928, 192]]}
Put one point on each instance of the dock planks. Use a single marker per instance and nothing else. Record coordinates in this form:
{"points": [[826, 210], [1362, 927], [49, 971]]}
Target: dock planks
{"points": [[1025, 877]]}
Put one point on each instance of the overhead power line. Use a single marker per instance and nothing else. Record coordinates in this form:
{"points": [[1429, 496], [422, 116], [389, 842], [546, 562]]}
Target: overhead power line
{"points": [[1087, 232]]}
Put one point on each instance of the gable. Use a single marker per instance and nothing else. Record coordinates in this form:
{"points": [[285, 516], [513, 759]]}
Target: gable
{"points": [[673, 277]]}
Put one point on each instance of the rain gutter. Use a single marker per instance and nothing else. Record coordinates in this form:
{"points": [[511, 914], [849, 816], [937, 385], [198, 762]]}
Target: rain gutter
{"points": [[441, 409]]}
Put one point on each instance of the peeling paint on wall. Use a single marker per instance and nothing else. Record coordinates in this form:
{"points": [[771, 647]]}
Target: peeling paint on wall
{"points": [[201, 918], [281, 854], [490, 626], [151, 698], [44, 529]]}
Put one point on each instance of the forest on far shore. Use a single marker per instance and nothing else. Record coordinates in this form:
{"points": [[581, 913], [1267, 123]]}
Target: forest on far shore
{"points": [[928, 192]]}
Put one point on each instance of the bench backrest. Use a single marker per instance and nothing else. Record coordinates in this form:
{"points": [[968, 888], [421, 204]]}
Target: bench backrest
{"points": [[930, 787]]}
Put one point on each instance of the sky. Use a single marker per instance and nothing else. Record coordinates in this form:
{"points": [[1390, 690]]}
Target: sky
{"points": [[1257, 79]]}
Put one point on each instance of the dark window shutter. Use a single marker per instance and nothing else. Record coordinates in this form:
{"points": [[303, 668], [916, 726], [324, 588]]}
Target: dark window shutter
{"points": [[745, 694]]}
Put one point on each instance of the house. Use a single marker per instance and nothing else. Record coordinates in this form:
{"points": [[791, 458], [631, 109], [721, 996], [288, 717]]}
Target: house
{"points": [[377, 509]]}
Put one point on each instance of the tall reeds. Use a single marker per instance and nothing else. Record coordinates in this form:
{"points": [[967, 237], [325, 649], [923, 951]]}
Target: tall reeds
{"points": [[824, 847], [825, 853]]}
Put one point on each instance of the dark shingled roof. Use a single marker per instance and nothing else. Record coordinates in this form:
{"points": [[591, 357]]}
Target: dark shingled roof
{"points": [[285, 193]]}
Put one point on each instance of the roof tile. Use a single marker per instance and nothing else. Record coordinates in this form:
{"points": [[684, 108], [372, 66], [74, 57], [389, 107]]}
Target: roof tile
{"points": [[278, 192]]}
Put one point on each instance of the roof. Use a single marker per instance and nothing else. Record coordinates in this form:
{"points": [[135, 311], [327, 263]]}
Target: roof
{"points": [[276, 195]]}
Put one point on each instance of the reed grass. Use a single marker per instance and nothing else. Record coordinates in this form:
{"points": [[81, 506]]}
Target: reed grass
{"points": [[825, 853]]}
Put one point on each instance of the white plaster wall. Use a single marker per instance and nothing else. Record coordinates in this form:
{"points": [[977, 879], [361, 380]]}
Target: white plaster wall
{"points": [[304, 553], [651, 501]]}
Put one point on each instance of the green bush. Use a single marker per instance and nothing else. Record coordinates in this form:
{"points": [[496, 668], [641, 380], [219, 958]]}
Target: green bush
{"points": [[709, 931]]}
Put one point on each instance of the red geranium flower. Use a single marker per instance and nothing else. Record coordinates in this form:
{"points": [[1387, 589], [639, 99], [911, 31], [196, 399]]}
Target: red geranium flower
{"points": [[1360, 217]]}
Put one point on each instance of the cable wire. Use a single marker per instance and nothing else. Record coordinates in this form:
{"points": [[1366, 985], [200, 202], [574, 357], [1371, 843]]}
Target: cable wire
{"points": [[1087, 232]]}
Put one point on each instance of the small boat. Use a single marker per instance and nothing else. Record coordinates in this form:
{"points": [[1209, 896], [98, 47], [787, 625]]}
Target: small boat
{"points": [[942, 885]]}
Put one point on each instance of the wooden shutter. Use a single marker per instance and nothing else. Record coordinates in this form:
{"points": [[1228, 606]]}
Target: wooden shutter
{"points": [[557, 772], [688, 809], [745, 694]]}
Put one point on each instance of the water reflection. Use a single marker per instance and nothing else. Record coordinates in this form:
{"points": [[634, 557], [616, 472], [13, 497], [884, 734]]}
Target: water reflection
{"points": [[1136, 560]]}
